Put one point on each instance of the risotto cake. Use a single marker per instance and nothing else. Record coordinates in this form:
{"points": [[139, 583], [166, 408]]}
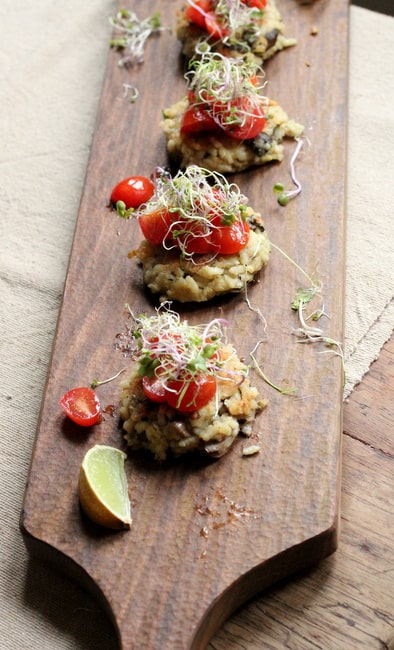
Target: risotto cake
{"points": [[251, 28], [201, 239], [224, 123], [187, 391]]}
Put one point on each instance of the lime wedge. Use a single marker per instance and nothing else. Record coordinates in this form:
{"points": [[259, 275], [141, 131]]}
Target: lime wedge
{"points": [[102, 487]]}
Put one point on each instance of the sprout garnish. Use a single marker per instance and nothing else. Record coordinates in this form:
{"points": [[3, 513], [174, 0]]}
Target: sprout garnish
{"points": [[193, 197], [284, 196], [122, 211], [134, 34], [100, 382], [226, 87], [258, 368], [170, 349], [239, 23]]}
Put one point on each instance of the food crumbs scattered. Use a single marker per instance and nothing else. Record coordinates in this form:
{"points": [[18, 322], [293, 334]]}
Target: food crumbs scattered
{"points": [[250, 450]]}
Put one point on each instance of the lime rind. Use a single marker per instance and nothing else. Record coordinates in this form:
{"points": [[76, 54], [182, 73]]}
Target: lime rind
{"points": [[103, 489]]}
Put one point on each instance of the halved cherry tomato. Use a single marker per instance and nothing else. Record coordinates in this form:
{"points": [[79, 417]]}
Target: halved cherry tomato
{"points": [[82, 406], [197, 119], [224, 239], [229, 239], [197, 11], [259, 4], [183, 396], [202, 13], [133, 191], [192, 395], [156, 225], [154, 389], [251, 118], [214, 26]]}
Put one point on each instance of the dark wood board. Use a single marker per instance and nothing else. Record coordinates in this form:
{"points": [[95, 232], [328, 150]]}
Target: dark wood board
{"points": [[205, 537]]}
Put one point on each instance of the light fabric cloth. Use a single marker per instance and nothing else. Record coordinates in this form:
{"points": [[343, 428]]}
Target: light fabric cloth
{"points": [[53, 58], [369, 311]]}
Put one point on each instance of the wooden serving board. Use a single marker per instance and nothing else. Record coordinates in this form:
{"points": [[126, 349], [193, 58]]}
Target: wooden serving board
{"points": [[205, 536]]}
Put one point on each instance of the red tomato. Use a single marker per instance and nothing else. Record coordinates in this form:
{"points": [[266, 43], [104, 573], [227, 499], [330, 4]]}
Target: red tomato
{"points": [[197, 243], [197, 392], [156, 225], [259, 4], [154, 389], [229, 239], [82, 406], [252, 117], [214, 26], [222, 240], [133, 191], [197, 120], [191, 395], [197, 11]]}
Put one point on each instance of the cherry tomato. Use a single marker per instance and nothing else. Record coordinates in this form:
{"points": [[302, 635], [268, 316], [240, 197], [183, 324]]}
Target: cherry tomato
{"points": [[197, 11], [197, 242], [259, 4], [156, 225], [82, 406], [133, 191], [183, 396], [191, 395], [252, 116], [214, 26], [224, 239], [154, 389], [197, 120], [229, 239]]}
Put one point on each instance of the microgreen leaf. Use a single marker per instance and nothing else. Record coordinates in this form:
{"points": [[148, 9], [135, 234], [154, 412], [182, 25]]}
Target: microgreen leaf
{"points": [[302, 295], [134, 34], [284, 196], [122, 211]]}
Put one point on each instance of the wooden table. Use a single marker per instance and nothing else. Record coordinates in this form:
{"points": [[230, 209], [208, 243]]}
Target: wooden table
{"points": [[346, 602]]}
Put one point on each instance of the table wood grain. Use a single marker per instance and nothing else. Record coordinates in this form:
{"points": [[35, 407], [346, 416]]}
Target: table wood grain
{"points": [[346, 602]]}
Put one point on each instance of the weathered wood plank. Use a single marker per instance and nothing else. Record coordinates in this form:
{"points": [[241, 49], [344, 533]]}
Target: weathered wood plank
{"points": [[291, 489], [346, 602]]}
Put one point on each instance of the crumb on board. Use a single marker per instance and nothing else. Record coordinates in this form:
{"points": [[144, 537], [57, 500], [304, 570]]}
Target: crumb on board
{"points": [[250, 450]]}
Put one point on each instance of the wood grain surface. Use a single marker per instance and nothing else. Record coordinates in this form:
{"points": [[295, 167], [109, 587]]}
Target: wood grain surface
{"points": [[346, 602], [205, 537]]}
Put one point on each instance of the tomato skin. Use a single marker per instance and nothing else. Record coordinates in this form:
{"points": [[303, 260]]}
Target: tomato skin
{"points": [[259, 4], [198, 392], [196, 13], [82, 406], [154, 389], [133, 191], [196, 395], [214, 26], [252, 115], [202, 13], [230, 239], [223, 239], [156, 225], [196, 119]]}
